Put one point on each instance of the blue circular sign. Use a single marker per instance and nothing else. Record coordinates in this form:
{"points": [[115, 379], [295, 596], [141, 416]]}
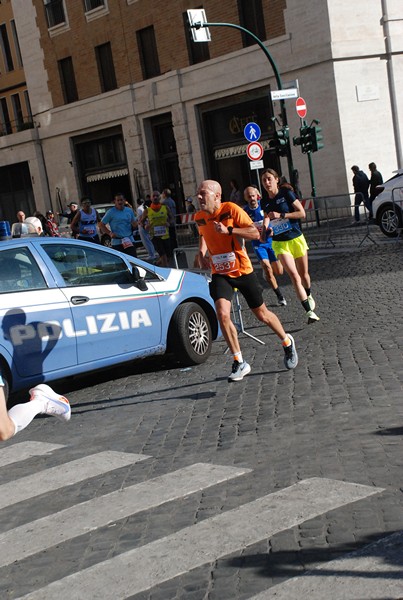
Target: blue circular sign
{"points": [[252, 132]]}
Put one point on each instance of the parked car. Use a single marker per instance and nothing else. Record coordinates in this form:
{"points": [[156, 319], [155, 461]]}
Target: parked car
{"points": [[387, 207], [69, 307]]}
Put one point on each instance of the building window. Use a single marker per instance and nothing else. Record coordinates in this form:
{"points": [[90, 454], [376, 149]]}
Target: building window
{"points": [[55, 12], [17, 109], [106, 68], [68, 80], [91, 4], [28, 106], [5, 118], [5, 47], [197, 51], [147, 45], [251, 17], [16, 43], [102, 154]]}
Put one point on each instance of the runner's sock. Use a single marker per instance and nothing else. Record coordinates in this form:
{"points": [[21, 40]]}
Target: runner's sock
{"points": [[305, 304], [22, 414], [278, 292], [286, 342], [308, 291], [238, 357]]}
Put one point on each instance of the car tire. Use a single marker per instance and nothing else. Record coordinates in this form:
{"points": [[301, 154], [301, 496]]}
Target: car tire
{"points": [[190, 336], [106, 240], [389, 221]]}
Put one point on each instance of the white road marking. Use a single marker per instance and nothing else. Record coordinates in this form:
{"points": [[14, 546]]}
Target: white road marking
{"points": [[373, 572], [143, 568], [33, 537], [18, 452], [63, 475]]}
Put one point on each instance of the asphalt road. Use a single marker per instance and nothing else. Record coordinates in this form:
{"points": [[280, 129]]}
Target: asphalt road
{"points": [[171, 483]]}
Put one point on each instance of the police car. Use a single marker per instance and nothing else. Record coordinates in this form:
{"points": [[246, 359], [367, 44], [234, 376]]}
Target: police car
{"points": [[68, 307]]}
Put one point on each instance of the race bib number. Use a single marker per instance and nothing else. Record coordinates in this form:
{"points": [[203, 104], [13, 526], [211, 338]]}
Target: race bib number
{"points": [[160, 230], [280, 226], [126, 242], [224, 263]]}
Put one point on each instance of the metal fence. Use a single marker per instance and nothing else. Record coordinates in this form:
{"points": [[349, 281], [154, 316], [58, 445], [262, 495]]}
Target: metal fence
{"points": [[330, 221]]}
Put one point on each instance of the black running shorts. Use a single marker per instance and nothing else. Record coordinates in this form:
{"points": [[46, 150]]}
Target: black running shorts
{"points": [[222, 286]]}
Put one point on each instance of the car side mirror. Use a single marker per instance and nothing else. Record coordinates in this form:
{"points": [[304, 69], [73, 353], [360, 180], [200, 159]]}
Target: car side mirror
{"points": [[138, 280]]}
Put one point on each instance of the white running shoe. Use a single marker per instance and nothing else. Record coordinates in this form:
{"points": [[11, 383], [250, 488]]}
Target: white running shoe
{"points": [[54, 404], [239, 370], [312, 317], [312, 302], [282, 301]]}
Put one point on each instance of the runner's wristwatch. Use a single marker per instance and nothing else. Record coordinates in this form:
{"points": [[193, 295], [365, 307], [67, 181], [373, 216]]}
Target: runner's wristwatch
{"points": [[230, 230]]}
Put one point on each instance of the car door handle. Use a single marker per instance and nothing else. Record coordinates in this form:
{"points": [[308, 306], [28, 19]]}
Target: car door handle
{"points": [[79, 299]]}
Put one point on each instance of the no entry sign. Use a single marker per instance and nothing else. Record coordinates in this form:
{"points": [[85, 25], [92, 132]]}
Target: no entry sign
{"points": [[300, 106]]}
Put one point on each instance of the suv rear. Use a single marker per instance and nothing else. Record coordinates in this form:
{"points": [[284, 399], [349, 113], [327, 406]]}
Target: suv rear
{"points": [[387, 207]]}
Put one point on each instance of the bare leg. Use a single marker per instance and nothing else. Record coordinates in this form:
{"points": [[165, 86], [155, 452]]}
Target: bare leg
{"points": [[270, 319], [289, 265], [7, 426], [223, 309]]}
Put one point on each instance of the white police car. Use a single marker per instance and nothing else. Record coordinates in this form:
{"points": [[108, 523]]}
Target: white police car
{"points": [[68, 307]]}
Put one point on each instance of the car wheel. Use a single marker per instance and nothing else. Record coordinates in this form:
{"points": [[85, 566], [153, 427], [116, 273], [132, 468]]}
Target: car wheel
{"points": [[106, 240], [190, 336], [389, 220]]}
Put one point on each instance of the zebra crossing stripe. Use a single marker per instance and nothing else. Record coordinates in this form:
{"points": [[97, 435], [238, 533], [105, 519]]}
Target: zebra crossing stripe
{"points": [[18, 452], [143, 568], [33, 537], [372, 573], [65, 474]]}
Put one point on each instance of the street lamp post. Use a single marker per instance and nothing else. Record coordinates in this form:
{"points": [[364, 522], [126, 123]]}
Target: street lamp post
{"points": [[276, 74]]}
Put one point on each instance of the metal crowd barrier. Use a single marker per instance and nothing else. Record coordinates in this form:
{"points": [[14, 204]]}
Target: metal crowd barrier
{"points": [[186, 230], [330, 221]]}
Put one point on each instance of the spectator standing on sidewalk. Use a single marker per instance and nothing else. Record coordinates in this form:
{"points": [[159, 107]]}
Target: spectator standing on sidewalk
{"points": [[168, 201], [223, 227], [263, 250], [360, 185], [51, 225], [282, 215], [375, 180]]}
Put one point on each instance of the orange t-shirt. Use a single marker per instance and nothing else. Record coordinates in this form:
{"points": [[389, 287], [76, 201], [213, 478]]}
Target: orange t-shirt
{"points": [[227, 253]]}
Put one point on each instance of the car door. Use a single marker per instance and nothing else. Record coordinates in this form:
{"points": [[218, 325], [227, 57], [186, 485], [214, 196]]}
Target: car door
{"points": [[111, 316], [32, 310]]}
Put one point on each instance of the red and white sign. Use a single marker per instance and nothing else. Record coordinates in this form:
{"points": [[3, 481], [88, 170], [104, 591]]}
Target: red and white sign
{"points": [[187, 218], [300, 106], [307, 204], [254, 151]]}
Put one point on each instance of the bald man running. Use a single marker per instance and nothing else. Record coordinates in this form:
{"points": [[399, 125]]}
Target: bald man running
{"points": [[223, 227]]}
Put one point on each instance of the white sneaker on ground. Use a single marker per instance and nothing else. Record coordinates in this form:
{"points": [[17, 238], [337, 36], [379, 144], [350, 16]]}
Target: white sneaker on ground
{"points": [[290, 354], [282, 301], [312, 317], [54, 404], [239, 370]]}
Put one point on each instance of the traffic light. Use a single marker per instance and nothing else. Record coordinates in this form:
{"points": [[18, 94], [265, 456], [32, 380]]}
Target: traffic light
{"points": [[280, 141], [317, 138], [310, 138]]}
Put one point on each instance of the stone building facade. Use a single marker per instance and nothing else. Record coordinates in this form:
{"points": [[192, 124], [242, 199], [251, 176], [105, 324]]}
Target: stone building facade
{"points": [[123, 100]]}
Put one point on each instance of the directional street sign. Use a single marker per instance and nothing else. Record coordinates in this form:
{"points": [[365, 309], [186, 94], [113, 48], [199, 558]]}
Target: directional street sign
{"points": [[254, 165], [252, 132], [254, 151], [300, 106], [284, 94]]}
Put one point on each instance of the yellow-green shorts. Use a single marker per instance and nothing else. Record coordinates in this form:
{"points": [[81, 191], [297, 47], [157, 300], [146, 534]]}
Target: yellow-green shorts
{"points": [[296, 247]]}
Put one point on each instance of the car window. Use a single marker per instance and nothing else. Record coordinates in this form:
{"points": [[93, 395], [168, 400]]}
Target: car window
{"points": [[80, 265], [19, 271]]}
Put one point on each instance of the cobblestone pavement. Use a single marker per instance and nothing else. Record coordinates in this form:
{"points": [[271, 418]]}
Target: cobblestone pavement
{"points": [[338, 416]]}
